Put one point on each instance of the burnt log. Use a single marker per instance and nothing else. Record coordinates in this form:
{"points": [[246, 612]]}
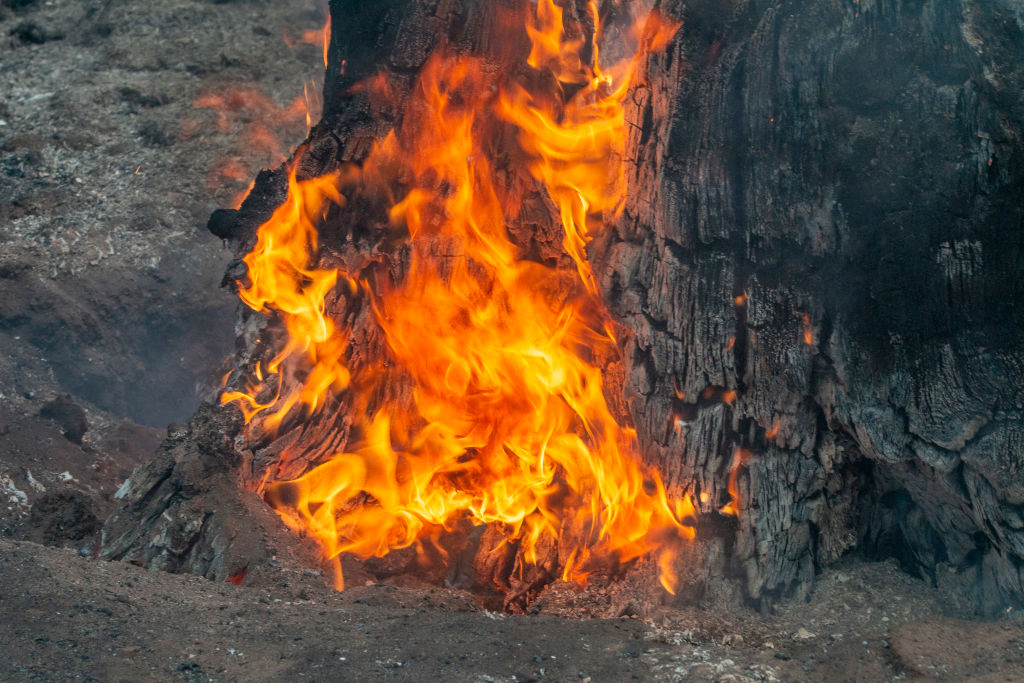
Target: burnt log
{"points": [[816, 276]]}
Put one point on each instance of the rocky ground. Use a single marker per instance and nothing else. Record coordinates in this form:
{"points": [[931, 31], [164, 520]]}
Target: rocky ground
{"points": [[112, 324]]}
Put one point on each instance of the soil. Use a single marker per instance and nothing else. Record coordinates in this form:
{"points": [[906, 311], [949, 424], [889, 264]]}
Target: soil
{"points": [[112, 324], [63, 615]]}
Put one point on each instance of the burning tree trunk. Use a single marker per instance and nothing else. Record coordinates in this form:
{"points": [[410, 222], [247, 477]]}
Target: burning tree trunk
{"points": [[812, 282]]}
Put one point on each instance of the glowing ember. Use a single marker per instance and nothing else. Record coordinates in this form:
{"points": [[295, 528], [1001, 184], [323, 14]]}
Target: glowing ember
{"points": [[507, 423], [808, 332]]}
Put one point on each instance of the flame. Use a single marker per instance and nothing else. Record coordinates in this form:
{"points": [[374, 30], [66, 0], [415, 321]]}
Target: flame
{"points": [[326, 39], [578, 146], [808, 331], [740, 457], [680, 394], [507, 424], [315, 36], [258, 121], [280, 279]]}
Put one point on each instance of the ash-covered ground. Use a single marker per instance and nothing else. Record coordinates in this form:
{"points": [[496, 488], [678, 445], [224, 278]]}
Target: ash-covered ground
{"points": [[113, 324]]}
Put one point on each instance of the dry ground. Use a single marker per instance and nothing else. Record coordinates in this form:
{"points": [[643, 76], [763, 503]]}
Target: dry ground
{"points": [[63, 616], [109, 293]]}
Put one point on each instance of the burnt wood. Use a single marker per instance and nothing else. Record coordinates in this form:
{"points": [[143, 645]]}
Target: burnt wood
{"points": [[860, 164]]}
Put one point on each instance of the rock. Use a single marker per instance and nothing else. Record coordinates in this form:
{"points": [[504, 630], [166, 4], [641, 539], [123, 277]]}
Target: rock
{"points": [[128, 652], [63, 517], [68, 415]]}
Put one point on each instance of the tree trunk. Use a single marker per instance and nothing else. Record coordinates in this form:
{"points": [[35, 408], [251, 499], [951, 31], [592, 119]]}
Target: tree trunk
{"points": [[817, 273], [854, 173]]}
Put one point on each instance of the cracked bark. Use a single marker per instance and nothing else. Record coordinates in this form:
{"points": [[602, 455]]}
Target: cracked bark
{"points": [[859, 164]]}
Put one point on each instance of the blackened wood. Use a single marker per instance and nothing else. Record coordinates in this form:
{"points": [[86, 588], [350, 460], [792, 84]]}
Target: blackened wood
{"points": [[860, 164]]}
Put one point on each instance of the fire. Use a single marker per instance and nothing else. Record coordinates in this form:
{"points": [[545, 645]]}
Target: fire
{"points": [[740, 457], [279, 278], [316, 36], [507, 423], [258, 121], [578, 146]]}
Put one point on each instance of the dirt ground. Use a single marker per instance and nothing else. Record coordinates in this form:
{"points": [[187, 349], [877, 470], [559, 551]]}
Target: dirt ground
{"points": [[64, 616], [112, 324], [109, 172], [116, 120]]}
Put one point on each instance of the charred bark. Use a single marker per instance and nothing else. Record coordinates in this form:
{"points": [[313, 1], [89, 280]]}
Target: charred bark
{"points": [[818, 267], [830, 224]]}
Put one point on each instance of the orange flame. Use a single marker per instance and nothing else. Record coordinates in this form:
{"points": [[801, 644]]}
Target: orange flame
{"points": [[258, 122], [326, 39], [739, 457], [280, 279], [578, 146], [316, 36], [509, 424]]}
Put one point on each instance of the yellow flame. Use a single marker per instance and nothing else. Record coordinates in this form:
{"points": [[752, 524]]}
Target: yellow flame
{"points": [[509, 424]]}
